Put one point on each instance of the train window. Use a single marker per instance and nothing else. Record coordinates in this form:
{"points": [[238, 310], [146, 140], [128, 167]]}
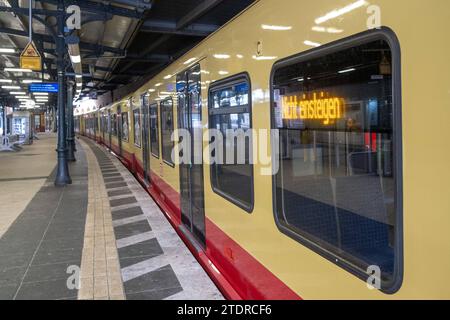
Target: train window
{"points": [[337, 186], [154, 131], [167, 130], [137, 127], [114, 124], [125, 126], [230, 113]]}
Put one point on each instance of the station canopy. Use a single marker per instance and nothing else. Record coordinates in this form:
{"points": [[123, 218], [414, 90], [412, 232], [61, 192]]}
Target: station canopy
{"points": [[122, 43]]}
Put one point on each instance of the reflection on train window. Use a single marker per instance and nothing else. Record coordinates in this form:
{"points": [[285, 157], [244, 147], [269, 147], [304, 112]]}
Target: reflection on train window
{"points": [[125, 126], [336, 183], [167, 130], [230, 113], [154, 132], [137, 127], [114, 124]]}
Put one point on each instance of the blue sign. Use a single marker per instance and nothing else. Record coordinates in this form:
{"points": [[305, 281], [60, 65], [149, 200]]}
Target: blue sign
{"points": [[43, 87]]}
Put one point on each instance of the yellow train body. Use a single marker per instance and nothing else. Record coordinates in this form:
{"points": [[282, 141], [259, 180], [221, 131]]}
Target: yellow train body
{"points": [[422, 32]]}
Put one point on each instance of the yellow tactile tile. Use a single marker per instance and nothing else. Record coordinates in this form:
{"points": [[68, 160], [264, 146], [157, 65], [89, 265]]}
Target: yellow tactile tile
{"points": [[100, 269]]}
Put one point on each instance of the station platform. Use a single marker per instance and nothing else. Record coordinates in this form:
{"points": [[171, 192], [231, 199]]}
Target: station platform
{"points": [[102, 237]]}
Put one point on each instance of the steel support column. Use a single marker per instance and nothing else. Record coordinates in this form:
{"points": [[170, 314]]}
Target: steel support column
{"points": [[62, 174], [70, 124]]}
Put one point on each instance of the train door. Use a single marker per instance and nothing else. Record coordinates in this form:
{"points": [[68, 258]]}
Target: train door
{"points": [[145, 137], [103, 127], [109, 129], [119, 129], [191, 174]]}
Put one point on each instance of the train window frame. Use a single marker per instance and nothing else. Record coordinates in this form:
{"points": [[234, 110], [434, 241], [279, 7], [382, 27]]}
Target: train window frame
{"points": [[156, 107], [170, 163], [388, 35], [217, 85]]}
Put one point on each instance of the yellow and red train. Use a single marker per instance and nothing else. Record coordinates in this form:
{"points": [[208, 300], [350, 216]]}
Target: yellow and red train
{"points": [[356, 205]]}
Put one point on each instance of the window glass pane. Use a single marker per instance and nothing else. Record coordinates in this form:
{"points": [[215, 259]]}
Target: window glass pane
{"points": [[336, 181], [167, 130], [137, 127], [154, 132], [232, 96], [114, 125], [232, 179], [125, 126]]}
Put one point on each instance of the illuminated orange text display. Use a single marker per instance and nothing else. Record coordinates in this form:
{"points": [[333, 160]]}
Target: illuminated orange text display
{"points": [[323, 108]]}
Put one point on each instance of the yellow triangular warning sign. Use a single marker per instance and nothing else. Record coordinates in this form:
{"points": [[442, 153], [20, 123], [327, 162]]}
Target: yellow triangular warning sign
{"points": [[30, 51], [30, 58]]}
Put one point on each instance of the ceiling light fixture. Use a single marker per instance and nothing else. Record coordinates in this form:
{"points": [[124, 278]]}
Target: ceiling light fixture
{"points": [[31, 81], [17, 70], [11, 87], [7, 50], [75, 59]]}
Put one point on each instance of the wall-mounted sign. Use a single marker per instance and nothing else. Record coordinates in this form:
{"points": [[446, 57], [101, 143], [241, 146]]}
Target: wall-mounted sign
{"points": [[326, 109], [30, 58], [43, 87]]}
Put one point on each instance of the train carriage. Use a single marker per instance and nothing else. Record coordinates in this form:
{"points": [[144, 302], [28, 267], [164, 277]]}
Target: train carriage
{"points": [[347, 199]]}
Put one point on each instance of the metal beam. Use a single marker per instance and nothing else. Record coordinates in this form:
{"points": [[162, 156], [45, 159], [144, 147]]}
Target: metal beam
{"points": [[24, 11], [46, 38], [169, 27], [197, 12], [147, 50], [97, 7]]}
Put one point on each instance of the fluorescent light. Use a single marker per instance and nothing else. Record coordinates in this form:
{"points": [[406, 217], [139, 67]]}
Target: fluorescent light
{"points": [[223, 73], [221, 56], [347, 70], [239, 56], [312, 43], [31, 81], [40, 93], [78, 76], [17, 92], [11, 87], [79, 84], [190, 60], [168, 77], [339, 12], [7, 50], [5, 80], [75, 59], [151, 90], [262, 58], [17, 70], [275, 28], [301, 79], [158, 84]]}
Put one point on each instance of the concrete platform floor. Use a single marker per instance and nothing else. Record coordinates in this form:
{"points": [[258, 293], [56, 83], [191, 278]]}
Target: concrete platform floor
{"points": [[102, 237]]}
